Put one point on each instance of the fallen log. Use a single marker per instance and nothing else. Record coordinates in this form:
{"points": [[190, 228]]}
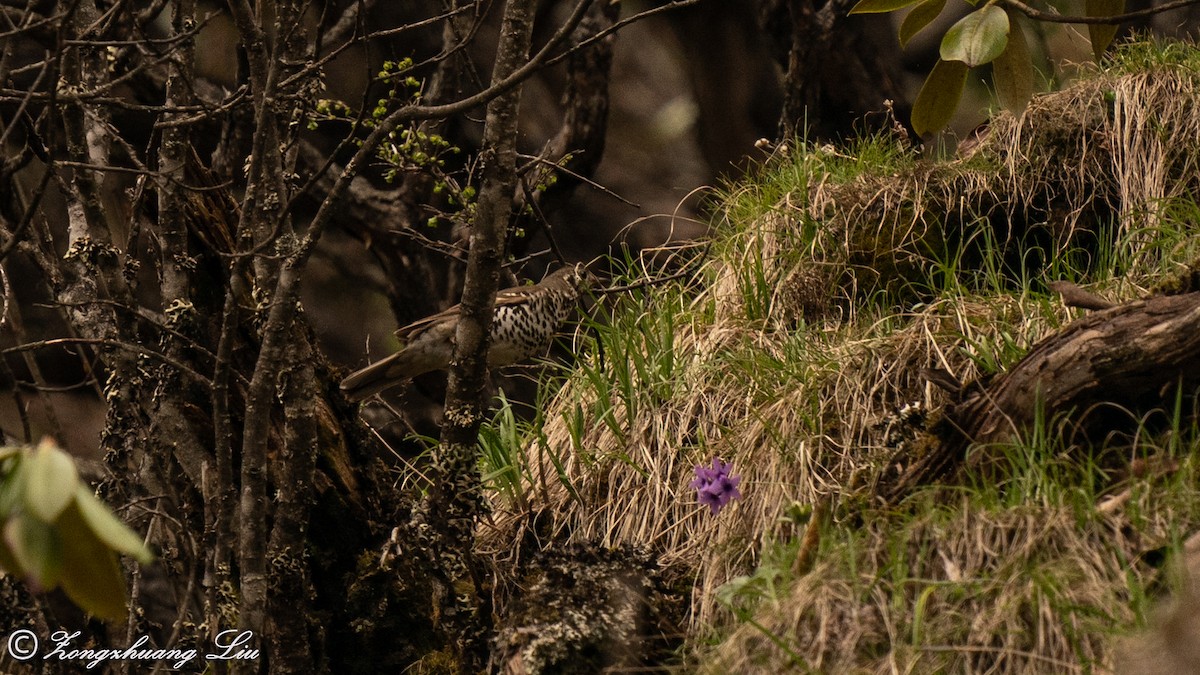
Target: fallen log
{"points": [[1133, 356]]}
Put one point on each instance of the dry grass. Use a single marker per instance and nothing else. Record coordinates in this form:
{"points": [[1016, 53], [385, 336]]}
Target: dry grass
{"points": [[1116, 148], [959, 589], [802, 416], [802, 337]]}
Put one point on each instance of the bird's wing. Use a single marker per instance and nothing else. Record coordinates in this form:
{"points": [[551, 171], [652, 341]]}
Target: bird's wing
{"points": [[404, 333], [512, 296], [508, 296]]}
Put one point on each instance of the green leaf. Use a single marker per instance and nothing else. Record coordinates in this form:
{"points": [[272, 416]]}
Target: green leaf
{"points": [[50, 481], [36, 548], [108, 528], [939, 97], [12, 486], [921, 16], [977, 38], [1100, 34], [91, 576], [1013, 73], [880, 6]]}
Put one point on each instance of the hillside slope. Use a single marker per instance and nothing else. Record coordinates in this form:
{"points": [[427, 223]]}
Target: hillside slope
{"points": [[805, 349]]}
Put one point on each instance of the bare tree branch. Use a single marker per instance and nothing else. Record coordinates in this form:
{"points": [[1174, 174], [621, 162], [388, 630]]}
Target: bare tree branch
{"points": [[1050, 17]]}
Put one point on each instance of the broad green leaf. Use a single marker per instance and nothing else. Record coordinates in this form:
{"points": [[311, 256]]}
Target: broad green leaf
{"points": [[91, 576], [108, 528], [977, 38], [880, 6], [12, 487], [1013, 73], [50, 481], [36, 547], [921, 16], [1100, 34], [939, 97]]}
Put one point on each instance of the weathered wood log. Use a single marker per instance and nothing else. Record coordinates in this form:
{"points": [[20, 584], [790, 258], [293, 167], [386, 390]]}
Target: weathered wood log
{"points": [[1075, 296], [1131, 356]]}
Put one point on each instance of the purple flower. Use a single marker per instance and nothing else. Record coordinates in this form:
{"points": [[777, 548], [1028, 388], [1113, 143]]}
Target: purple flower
{"points": [[715, 487]]}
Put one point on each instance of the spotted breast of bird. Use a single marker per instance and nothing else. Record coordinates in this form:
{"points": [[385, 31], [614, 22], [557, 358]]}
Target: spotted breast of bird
{"points": [[524, 321]]}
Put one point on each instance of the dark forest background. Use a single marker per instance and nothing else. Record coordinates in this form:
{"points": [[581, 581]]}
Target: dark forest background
{"points": [[210, 212]]}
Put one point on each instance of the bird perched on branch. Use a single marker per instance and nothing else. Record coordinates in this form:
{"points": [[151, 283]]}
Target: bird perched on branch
{"points": [[524, 321]]}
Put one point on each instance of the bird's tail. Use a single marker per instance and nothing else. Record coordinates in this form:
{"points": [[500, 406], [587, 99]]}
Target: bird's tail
{"points": [[381, 375]]}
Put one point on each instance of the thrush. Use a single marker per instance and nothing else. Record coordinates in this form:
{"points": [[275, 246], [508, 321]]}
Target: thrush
{"points": [[524, 321]]}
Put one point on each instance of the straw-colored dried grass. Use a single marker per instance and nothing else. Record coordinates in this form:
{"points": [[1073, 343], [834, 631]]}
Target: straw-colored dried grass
{"points": [[1026, 590], [1108, 149]]}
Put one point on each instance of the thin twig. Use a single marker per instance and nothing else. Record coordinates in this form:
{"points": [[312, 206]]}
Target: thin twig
{"points": [[1039, 15], [104, 342], [580, 177]]}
